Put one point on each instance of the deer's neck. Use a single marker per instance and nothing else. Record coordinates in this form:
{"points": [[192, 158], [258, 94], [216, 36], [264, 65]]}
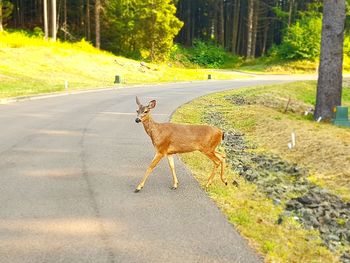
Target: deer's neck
{"points": [[150, 126]]}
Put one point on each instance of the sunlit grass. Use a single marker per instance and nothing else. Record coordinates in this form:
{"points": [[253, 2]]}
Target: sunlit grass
{"points": [[266, 65], [323, 148], [31, 65]]}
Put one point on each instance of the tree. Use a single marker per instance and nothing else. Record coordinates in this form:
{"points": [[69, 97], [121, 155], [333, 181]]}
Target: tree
{"points": [[46, 25], [6, 8], [54, 20], [236, 9], [220, 22], [1, 27], [250, 27], [141, 28], [255, 27], [97, 24], [290, 13], [329, 86], [88, 26], [65, 19]]}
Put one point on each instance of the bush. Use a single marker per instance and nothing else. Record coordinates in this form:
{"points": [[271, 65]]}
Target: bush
{"points": [[204, 54], [181, 55], [38, 32], [303, 39]]}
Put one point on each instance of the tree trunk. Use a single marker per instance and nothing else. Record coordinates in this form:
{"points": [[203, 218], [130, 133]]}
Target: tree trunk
{"points": [[46, 24], [65, 19], [88, 24], [21, 13], [250, 28], [81, 13], [220, 23], [228, 23], [255, 27], [193, 26], [188, 25], [329, 86], [1, 27], [235, 25], [39, 13], [290, 13], [266, 31], [97, 23], [54, 25]]}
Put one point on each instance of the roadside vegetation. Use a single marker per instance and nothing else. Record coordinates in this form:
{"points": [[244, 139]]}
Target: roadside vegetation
{"points": [[30, 65], [290, 203]]}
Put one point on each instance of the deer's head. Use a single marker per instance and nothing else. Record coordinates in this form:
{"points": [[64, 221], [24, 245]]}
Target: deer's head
{"points": [[144, 111]]}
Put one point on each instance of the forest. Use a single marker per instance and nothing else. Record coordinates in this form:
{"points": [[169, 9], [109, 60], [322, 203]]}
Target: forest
{"points": [[148, 28]]}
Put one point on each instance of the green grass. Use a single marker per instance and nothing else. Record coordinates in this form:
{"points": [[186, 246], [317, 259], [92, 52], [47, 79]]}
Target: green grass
{"points": [[31, 65], [322, 148], [268, 65]]}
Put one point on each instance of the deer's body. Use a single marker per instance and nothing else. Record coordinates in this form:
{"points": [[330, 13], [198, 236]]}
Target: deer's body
{"points": [[170, 138]]}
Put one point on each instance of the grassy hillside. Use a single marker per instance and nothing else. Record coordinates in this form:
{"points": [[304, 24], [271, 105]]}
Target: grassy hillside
{"points": [[271, 176], [30, 65], [269, 65]]}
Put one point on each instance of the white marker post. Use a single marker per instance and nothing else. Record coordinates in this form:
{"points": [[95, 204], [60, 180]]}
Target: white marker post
{"points": [[293, 139], [66, 85], [319, 119]]}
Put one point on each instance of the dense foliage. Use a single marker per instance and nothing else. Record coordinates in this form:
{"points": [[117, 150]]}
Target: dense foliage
{"points": [[302, 40], [205, 54], [141, 28], [146, 29]]}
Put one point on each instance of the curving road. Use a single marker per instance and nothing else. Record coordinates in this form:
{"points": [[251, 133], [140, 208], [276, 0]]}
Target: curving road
{"points": [[68, 169]]}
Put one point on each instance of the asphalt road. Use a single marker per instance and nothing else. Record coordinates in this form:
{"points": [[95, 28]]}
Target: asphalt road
{"points": [[68, 169]]}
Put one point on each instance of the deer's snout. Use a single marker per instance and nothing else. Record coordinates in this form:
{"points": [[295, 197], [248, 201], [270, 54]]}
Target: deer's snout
{"points": [[138, 120]]}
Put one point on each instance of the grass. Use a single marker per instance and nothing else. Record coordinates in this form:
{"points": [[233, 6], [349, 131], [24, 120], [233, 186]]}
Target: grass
{"points": [[323, 148], [30, 65], [268, 65]]}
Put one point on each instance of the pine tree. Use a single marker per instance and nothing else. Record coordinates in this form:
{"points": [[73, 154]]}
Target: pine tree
{"points": [[97, 23], [54, 20], [46, 25], [1, 27]]}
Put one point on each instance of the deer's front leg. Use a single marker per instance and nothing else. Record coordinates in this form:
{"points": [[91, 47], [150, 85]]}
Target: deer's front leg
{"points": [[153, 164], [172, 168]]}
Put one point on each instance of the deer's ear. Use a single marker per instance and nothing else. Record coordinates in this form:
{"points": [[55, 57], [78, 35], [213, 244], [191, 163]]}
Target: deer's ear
{"points": [[152, 104], [138, 101]]}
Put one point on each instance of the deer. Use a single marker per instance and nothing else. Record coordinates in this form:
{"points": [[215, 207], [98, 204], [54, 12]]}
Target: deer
{"points": [[170, 138]]}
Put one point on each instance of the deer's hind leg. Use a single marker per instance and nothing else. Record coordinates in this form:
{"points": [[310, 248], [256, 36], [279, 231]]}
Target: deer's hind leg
{"points": [[172, 168], [212, 156], [222, 158]]}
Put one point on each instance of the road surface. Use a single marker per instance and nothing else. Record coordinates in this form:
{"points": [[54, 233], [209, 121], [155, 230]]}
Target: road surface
{"points": [[68, 169]]}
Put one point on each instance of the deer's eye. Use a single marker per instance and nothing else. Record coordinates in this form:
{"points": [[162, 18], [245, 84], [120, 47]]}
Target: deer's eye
{"points": [[146, 111]]}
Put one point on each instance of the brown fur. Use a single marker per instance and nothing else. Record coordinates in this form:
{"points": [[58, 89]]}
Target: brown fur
{"points": [[170, 138]]}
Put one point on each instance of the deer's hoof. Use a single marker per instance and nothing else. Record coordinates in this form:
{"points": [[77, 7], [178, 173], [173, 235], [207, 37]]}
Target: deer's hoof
{"points": [[225, 183], [173, 187], [138, 189], [235, 183]]}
